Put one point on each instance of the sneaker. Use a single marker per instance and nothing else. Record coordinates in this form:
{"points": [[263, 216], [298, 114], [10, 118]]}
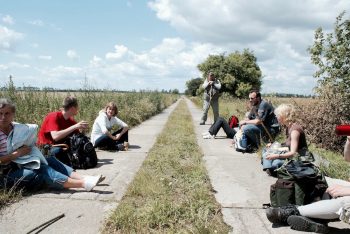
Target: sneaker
{"points": [[271, 172], [205, 133], [90, 182], [301, 223], [281, 214], [209, 136]]}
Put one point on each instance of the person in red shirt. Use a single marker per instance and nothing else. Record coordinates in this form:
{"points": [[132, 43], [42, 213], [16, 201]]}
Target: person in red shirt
{"points": [[57, 126]]}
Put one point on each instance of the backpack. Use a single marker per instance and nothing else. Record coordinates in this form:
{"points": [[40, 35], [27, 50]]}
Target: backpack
{"points": [[233, 121], [298, 183], [81, 152], [237, 143]]}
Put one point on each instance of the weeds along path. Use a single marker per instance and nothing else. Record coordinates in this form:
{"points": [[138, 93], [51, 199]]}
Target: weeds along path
{"points": [[85, 212], [240, 184], [171, 193]]}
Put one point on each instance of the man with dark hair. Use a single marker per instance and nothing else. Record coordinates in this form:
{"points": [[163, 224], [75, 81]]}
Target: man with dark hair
{"points": [[261, 121], [57, 126]]}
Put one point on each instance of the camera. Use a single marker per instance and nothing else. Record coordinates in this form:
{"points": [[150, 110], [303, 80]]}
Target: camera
{"points": [[343, 130]]}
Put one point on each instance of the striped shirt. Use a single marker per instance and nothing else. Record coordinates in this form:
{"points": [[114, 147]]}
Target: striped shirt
{"points": [[3, 143]]}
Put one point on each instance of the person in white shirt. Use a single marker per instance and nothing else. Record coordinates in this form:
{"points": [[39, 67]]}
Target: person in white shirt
{"points": [[101, 135]]}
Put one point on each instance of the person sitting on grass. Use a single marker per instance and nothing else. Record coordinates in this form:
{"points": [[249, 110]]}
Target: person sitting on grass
{"points": [[101, 135], [315, 216], [22, 163], [296, 140]]}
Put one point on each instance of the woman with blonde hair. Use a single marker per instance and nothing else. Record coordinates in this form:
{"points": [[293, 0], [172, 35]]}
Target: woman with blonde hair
{"points": [[101, 135], [296, 140]]}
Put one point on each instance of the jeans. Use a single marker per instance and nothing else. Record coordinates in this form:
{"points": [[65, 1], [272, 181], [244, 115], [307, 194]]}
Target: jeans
{"points": [[222, 123], [106, 142], [54, 175], [253, 134], [214, 103], [270, 164]]}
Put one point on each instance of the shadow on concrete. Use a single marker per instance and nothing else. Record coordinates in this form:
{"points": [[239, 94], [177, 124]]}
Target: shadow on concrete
{"points": [[104, 161], [134, 147]]}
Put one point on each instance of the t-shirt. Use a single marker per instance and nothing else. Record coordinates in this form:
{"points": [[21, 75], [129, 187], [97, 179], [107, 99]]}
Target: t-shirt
{"points": [[265, 113], [54, 121], [302, 144]]}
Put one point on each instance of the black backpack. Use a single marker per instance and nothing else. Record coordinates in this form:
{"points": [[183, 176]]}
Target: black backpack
{"points": [[81, 152]]}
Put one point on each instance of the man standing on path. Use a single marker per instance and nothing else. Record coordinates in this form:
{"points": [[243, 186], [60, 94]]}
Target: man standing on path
{"points": [[211, 87], [261, 121]]}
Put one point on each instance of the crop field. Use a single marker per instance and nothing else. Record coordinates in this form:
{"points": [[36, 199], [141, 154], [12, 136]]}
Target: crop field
{"points": [[133, 107]]}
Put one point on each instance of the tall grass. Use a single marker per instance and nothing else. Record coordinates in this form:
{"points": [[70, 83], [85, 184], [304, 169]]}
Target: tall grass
{"points": [[134, 107], [171, 193]]}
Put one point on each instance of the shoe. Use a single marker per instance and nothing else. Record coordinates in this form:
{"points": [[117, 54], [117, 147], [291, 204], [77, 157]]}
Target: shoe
{"points": [[301, 223], [202, 123], [209, 136], [271, 172], [90, 182], [126, 146], [281, 214], [205, 133], [121, 147]]}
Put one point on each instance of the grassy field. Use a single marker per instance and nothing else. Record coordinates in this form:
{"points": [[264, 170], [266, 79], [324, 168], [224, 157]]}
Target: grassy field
{"points": [[171, 192]]}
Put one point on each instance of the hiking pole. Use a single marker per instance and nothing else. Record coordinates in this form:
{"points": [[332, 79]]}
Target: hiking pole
{"points": [[267, 132], [46, 224]]}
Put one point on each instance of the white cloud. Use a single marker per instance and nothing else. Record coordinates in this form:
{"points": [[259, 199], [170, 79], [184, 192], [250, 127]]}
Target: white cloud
{"points": [[72, 54], [278, 32], [7, 19], [37, 22], [9, 38], [45, 57], [23, 56], [120, 51]]}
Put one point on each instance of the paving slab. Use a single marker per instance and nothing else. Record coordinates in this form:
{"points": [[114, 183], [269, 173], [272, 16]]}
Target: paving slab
{"points": [[240, 184], [84, 211]]}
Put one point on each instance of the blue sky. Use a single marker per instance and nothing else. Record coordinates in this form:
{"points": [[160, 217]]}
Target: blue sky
{"points": [[132, 45]]}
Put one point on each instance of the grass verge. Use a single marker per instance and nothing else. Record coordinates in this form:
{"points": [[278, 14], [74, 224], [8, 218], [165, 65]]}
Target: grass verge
{"points": [[9, 196], [171, 193]]}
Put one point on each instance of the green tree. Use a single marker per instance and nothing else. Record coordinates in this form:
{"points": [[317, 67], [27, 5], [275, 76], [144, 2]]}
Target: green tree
{"points": [[192, 86], [237, 72], [331, 55]]}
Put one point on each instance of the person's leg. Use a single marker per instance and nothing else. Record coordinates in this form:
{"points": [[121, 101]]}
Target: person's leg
{"points": [[105, 142], [60, 154], [324, 209], [215, 127], [253, 133], [123, 138], [230, 132], [23, 177], [59, 166], [206, 105], [215, 107], [267, 164], [277, 163]]}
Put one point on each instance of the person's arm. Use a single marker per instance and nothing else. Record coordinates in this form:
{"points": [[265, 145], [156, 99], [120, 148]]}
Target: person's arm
{"points": [[295, 135], [59, 135], [123, 125], [347, 149], [217, 84], [24, 150], [338, 191], [205, 84]]}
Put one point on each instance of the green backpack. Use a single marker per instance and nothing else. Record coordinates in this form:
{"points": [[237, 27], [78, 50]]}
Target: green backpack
{"points": [[298, 183]]}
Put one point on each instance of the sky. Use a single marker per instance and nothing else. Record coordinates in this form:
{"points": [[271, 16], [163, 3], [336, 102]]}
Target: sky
{"points": [[156, 45]]}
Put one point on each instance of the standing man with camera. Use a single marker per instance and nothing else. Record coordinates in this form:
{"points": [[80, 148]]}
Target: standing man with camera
{"points": [[211, 87]]}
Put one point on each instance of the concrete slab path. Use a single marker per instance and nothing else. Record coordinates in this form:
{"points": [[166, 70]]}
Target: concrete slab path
{"points": [[86, 211], [240, 184]]}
